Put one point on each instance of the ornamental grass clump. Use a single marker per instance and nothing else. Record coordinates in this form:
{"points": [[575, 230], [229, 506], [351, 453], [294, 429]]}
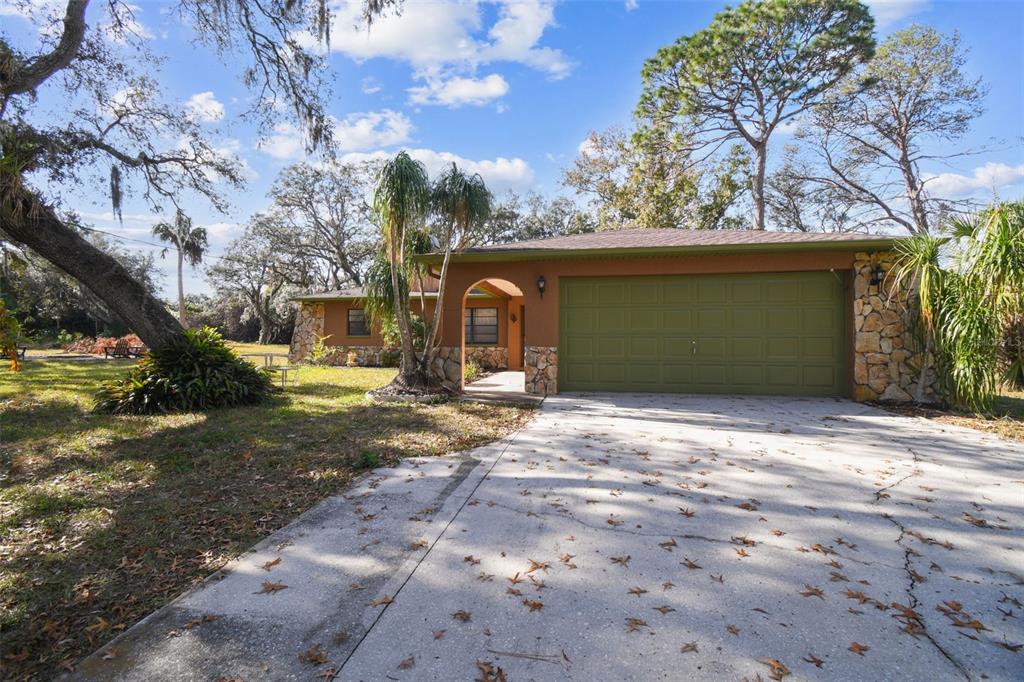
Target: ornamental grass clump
{"points": [[194, 372]]}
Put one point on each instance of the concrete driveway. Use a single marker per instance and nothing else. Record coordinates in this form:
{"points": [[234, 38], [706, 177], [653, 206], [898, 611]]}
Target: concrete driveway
{"points": [[634, 537]]}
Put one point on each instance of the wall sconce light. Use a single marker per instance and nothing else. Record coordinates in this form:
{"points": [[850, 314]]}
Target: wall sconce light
{"points": [[541, 285], [877, 276], [513, 318]]}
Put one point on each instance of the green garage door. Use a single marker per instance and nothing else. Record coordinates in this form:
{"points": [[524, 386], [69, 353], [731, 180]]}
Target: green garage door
{"points": [[780, 334]]}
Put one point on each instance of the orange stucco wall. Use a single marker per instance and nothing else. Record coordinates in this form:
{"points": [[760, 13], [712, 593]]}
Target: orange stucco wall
{"points": [[336, 320]]}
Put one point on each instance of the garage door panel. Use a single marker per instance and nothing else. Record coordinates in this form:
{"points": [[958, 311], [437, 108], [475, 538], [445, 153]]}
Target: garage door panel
{"points": [[644, 348], [747, 375], [610, 320], [644, 320], [821, 376], [579, 347], [754, 333], [676, 320], [611, 347]]}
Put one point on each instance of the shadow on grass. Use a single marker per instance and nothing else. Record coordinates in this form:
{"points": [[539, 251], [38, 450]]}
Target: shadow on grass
{"points": [[108, 518]]}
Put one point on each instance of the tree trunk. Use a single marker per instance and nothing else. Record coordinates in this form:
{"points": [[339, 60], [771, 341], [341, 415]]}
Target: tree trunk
{"points": [[407, 374], [923, 376], [181, 292], [915, 192], [428, 339], [28, 220], [757, 185]]}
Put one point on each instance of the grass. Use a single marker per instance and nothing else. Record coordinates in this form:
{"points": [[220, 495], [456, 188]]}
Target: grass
{"points": [[104, 519]]}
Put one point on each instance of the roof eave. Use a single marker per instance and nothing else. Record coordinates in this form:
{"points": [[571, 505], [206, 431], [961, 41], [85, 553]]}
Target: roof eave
{"points": [[657, 251]]}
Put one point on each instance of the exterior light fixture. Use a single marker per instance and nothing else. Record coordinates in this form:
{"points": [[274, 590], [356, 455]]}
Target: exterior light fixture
{"points": [[541, 285], [877, 276]]}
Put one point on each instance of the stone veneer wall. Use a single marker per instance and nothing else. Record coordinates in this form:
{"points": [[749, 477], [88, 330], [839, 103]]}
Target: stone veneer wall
{"points": [[447, 367], [488, 357], [541, 365], [309, 323], [886, 358]]}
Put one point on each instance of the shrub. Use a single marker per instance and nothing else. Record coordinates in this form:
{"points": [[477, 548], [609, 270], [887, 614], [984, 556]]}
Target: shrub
{"points": [[321, 354], [472, 371], [1011, 353], [195, 371], [390, 357]]}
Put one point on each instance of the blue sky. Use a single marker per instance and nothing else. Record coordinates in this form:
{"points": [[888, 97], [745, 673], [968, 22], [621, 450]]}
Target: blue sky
{"points": [[511, 90]]}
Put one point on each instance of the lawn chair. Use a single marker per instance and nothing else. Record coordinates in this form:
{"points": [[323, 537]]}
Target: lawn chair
{"points": [[121, 349]]}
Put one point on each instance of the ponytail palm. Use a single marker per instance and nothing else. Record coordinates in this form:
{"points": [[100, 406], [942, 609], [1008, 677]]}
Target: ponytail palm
{"points": [[461, 206], [401, 200]]}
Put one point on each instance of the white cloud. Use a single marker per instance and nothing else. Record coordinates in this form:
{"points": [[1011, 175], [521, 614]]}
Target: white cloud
{"points": [[632, 5], [457, 91], [446, 39], [205, 107], [500, 174], [372, 129], [356, 132], [220, 232], [587, 146], [988, 179], [888, 12], [370, 86], [284, 144]]}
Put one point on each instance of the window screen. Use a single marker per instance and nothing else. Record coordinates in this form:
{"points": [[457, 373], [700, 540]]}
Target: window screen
{"points": [[357, 323], [482, 326]]}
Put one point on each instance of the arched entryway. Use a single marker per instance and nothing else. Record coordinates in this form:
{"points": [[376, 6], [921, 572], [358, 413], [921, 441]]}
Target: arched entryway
{"points": [[493, 326]]}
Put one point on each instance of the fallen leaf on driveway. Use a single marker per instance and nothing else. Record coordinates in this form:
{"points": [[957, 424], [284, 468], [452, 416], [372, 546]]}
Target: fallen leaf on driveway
{"points": [[778, 669], [407, 663], [733, 630], [270, 588], [490, 673], [314, 655], [692, 565], [464, 616], [538, 566], [688, 647], [637, 591], [533, 605], [858, 648], [814, 660], [664, 609], [668, 544], [382, 601], [438, 634], [270, 564], [810, 591], [634, 624], [621, 560]]}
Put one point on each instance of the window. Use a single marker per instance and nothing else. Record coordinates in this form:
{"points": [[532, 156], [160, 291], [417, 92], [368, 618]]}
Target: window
{"points": [[357, 323], [482, 326]]}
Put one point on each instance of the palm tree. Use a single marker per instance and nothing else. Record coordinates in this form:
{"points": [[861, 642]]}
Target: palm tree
{"points": [[967, 289], [190, 244], [401, 199], [461, 206]]}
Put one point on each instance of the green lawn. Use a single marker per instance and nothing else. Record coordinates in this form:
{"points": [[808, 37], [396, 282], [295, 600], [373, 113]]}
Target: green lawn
{"points": [[104, 519]]}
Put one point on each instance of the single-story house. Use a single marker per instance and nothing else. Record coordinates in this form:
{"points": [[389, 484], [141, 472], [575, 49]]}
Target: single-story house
{"points": [[662, 310]]}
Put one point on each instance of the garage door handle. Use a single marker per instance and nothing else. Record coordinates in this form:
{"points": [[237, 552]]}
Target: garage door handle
{"points": [[693, 346]]}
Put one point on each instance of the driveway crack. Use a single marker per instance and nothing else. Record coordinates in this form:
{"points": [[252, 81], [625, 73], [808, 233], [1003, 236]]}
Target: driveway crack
{"points": [[911, 592]]}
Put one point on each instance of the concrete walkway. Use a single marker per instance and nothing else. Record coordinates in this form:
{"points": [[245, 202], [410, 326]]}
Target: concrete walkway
{"points": [[501, 387], [634, 537]]}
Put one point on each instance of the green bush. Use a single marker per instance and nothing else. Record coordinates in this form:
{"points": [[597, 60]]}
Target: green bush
{"points": [[320, 354], [390, 357], [367, 460], [194, 372], [472, 371]]}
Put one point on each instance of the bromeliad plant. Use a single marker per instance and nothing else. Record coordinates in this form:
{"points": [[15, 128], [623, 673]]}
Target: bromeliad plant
{"points": [[968, 288], [193, 372]]}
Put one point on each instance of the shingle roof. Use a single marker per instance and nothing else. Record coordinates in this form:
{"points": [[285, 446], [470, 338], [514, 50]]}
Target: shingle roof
{"points": [[639, 238]]}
